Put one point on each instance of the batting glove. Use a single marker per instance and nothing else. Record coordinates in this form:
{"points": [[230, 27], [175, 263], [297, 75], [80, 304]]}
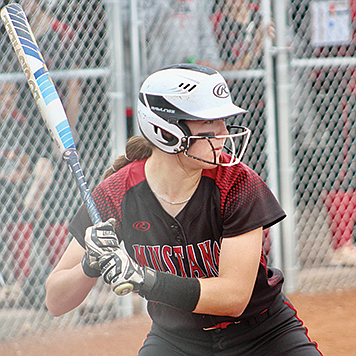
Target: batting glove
{"points": [[100, 240], [119, 270]]}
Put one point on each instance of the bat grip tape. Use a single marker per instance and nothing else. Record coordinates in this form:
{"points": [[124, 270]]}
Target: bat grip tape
{"points": [[166, 288]]}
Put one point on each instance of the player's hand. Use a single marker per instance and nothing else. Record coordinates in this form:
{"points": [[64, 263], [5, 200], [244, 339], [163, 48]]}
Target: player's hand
{"points": [[100, 240], [119, 270], [271, 30]]}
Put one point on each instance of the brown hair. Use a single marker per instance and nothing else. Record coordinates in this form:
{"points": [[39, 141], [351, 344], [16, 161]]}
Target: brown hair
{"points": [[137, 148]]}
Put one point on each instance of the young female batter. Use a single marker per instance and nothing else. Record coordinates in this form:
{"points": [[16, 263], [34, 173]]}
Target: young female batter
{"points": [[191, 218]]}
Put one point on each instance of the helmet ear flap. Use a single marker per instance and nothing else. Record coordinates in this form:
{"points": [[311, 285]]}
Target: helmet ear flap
{"points": [[171, 139]]}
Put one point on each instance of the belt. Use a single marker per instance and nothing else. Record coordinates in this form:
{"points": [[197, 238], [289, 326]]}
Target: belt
{"points": [[222, 325], [250, 321]]}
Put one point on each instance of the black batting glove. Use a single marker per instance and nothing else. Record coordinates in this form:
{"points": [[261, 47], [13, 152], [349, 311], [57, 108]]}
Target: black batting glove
{"points": [[100, 240]]}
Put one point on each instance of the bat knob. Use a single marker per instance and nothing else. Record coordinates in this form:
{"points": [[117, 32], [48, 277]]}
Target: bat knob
{"points": [[123, 289]]}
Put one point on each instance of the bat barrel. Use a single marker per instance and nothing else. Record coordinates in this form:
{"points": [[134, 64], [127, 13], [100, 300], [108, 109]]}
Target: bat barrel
{"points": [[37, 75]]}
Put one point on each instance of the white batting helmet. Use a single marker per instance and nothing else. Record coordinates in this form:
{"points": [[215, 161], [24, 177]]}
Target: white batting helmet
{"points": [[183, 92]]}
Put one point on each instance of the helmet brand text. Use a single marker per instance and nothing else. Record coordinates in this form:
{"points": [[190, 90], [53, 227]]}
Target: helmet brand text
{"points": [[170, 111]]}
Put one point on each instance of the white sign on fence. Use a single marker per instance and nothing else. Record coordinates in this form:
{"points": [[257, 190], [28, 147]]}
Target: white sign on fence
{"points": [[331, 23]]}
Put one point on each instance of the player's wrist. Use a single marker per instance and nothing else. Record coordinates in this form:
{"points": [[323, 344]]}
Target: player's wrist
{"points": [[89, 271], [148, 283], [166, 288]]}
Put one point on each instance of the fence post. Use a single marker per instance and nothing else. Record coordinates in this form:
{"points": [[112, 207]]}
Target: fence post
{"points": [[135, 60], [118, 106], [117, 87], [271, 136], [284, 133]]}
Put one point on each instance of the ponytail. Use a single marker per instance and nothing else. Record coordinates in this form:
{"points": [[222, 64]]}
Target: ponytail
{"points": [[137, 148]]}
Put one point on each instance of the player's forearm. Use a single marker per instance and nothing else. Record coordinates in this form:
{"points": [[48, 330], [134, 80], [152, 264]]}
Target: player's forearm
{"points": [[215, 296], [230, 293], [66, 289], [218, 296]]}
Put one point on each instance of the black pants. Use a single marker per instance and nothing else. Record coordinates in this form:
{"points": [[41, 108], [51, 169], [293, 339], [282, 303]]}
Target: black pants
{"points": [[277, 332]]}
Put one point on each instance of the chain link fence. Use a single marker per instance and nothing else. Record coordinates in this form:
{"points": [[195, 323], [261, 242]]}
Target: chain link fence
{"points": [[322, 45], [39, 198], [38, 195]]}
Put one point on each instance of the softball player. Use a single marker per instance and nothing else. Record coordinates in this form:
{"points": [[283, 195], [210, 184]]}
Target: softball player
{"points": [[189, 220]]}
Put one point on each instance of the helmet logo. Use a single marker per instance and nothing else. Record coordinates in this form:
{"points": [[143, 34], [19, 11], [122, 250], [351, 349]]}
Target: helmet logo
{"points": [[156, 108], [221, 91]]}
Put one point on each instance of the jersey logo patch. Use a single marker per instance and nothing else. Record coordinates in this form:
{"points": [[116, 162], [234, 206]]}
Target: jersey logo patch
{"points": [[141, 225]]}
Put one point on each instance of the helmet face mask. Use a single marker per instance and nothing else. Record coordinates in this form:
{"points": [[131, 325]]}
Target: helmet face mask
{"points": [[178, 94], [235, 144]]}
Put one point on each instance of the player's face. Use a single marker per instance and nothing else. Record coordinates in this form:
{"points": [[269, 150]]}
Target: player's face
{"points": [[208, 148]]}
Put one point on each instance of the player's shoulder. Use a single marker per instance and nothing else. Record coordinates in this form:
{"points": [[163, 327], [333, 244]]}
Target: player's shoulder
{"points": [[237, 172], [111, 191], [126, 177]]}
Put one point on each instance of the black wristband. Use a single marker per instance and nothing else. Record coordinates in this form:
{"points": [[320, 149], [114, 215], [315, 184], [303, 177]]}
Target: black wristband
{"points": [[166, 288], [90, 272]]}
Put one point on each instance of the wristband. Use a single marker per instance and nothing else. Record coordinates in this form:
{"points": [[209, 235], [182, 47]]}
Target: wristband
{"points": [[166, 288], [90, 272]]}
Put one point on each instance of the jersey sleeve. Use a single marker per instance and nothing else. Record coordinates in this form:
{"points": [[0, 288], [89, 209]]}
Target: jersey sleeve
{"points": [[108, 196], [79, 224], [82, 221], [248, 203]]}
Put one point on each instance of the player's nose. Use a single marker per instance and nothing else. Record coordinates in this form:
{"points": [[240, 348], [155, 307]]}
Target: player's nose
{"points": [[221, 128]]}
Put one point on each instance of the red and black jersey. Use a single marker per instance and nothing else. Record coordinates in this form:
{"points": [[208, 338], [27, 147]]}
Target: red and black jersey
{"points": [[228, 202]]}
